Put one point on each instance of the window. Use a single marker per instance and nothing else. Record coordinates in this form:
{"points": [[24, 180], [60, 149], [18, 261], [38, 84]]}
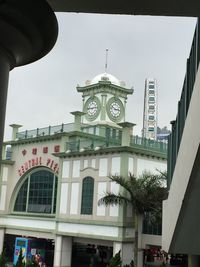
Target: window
{"points": [[151, 129], [151, 107], [151, 117], [151, 86], [38, 193], [151, 99], [151, 92], [87, 195]]}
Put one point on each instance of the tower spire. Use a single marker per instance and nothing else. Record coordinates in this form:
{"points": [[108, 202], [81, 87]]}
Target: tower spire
{"points": [[106, 64]]}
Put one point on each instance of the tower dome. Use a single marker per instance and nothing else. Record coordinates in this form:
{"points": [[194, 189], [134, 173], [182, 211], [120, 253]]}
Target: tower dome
{"points": [[106, 77]]}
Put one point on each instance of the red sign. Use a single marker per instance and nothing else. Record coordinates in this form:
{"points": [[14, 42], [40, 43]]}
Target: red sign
{"points": [[24, 152], [56, 149], [34, 151], [38, 161], [45, 149]]}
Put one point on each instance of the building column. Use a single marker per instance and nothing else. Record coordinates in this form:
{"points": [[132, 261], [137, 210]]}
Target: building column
{"points": [[63, 251], [15, 128], [127, 129], [1, 239], [126, 249], [77, 119]]}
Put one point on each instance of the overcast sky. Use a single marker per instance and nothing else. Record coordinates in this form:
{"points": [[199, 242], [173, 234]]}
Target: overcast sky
{"points": [[44, 93]]}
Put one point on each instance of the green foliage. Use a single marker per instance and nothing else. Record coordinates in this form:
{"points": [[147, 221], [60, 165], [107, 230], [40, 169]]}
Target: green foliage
{"points": [[115, 261], [144, 194], [20, 261], [3, 259]]}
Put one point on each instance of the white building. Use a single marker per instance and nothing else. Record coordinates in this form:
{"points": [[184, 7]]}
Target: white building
{"points": [[52, 178]]}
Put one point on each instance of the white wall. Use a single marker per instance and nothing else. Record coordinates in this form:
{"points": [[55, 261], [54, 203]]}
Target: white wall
{"points": [[101, 209], [103, 167], [65, 169], [63, 198], [150, 165], [114, 210], [184, 164], [74, 198]]}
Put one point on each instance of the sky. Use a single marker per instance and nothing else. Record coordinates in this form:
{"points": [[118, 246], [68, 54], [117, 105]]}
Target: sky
{"points": [[44, 93]]}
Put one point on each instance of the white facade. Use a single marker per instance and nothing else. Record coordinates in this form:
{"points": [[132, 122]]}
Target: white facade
{"points": [[54, 177]]}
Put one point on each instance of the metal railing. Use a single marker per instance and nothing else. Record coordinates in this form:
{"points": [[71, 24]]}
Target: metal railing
{"points": [[183, 105], [45, 131], [149, 144], [100, 136], [105, 142]]}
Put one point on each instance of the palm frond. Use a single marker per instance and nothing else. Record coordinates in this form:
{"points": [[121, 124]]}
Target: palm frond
{"points": [[124, 183], [113, 199]]}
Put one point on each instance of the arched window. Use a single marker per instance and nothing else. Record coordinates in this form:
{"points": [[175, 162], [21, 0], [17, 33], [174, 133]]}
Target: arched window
{"points": [[38, 193], [87, 195]]}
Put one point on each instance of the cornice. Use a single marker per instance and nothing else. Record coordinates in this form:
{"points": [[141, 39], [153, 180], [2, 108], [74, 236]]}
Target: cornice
{"points": [[110, 150]]}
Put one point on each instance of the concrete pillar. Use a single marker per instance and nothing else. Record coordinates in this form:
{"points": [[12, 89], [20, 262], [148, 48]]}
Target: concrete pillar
{"points": [[4, 76], [29, 31], [15, 128], [3, 156], [63, 251], [1, 240], [126, 132], [127, 251], [77, 119]]}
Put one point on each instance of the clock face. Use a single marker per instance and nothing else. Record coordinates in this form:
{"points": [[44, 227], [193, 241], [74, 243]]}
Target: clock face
{"points": [[92, 108], [115, 109]]}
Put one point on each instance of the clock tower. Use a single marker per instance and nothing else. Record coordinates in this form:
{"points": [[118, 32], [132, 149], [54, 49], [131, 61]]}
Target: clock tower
{"points": [[104, 100]]}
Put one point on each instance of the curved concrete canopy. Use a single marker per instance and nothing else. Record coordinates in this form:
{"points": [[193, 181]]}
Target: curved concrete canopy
{"points": [[132, 7]]}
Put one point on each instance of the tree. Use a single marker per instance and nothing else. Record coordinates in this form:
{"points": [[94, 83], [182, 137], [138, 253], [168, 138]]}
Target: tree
{"points": [[115, 261], [145, 195], [3, 258]]}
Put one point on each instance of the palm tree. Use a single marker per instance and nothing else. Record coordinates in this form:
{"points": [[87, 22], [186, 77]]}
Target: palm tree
{"points": [[145, 195]]}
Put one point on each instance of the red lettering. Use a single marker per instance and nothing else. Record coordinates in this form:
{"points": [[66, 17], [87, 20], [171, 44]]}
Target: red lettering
{"points": [[45, 149], [19, 172], [48, 161], [26, 165], [29, 163], [24, 152], [52, 162], [34, 151], [57, 149], [22, 168], [33, 162], [55, 166]]}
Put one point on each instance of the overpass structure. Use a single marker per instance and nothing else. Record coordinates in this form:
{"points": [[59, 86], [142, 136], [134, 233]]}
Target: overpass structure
{"points": [[130, 7]]}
